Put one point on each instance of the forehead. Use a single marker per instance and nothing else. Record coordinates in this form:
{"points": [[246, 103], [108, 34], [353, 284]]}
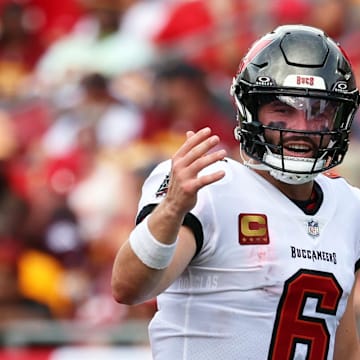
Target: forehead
{"points": [[298, 103]]}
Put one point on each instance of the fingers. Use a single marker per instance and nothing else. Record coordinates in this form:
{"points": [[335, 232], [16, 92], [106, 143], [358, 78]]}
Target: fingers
{"points": [[193, 139], [195, 155], [197, 152], [206, 160], [197, 146], [189, 134], [200, 154], [202, 163], [209, 179]]}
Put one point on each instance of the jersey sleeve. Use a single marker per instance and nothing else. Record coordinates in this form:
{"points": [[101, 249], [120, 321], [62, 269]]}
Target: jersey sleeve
{"points": [[155, 186], [154, 191]]}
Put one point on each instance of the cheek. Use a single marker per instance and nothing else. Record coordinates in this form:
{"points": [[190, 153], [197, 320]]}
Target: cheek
{"points": [[325, 141], [272, 136]]}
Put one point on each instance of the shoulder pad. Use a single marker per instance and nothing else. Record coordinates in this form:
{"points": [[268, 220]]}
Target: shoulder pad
{"points": [[332, 175]]}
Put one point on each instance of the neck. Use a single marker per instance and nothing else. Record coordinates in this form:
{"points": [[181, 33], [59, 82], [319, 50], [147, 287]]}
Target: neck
{"points": [[300, 192]]}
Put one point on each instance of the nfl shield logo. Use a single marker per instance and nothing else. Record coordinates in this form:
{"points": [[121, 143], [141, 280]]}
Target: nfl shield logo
{"points": [[313, 228]]}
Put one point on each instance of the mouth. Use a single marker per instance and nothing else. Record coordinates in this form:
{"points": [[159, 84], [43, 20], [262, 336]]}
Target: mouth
{"points": [[299, 149]]}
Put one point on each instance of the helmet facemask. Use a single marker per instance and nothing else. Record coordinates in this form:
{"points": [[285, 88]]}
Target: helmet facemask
{"points": [[283, 148], [294, 152]]}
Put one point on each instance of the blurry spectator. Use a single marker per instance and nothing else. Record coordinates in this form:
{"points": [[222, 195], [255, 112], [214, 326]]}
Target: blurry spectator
{"points": [[96, 117], [52, 251], [184, 101], [42, 278], [81, 166], [80, 150], [331, 16], [143, 18], [104, 202], [100, 200], [209, 33], [8, 136], [62, 238], [95, 45], [53, 19], [20, 49], [14, 305], [13, 212], [290, 11]]}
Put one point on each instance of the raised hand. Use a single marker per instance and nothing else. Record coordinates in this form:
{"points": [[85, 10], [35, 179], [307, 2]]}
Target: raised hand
{"points": [[194, 155]]}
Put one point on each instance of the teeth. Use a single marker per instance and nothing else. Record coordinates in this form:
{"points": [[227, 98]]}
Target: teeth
{"points": [[298, 147]]}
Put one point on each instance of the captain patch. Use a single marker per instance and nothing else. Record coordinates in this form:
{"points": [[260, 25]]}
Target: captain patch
{"points": [[253, 229]]}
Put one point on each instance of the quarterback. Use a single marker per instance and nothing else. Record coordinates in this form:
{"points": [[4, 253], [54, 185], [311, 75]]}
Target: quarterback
{"points": [[256, 260]]}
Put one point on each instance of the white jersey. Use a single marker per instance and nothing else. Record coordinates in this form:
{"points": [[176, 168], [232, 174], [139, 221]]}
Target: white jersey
{"points": [[269, 282]]}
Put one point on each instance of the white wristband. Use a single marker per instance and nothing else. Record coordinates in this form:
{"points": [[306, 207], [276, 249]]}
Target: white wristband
{"points": [[150, 251]]}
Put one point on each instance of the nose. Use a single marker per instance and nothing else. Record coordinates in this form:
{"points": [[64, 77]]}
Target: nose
{"points": [[299, 120]]}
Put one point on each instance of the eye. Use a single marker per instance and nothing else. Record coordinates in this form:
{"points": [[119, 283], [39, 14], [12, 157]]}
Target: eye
{"points": [[326, 116], [319, 111], [277, 124], [282, 109]]}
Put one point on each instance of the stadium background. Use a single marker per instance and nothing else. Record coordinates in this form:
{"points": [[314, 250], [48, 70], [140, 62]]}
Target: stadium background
{"points": [[92, 95]]}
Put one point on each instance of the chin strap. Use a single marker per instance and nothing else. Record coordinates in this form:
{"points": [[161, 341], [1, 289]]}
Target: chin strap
{"points": [[249, 162], [285, 177], [291, 178]]}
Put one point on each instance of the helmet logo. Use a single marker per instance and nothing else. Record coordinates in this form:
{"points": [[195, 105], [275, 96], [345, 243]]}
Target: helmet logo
{"points": [[264, 81], [341, 86], [306, 80], [302, 81]]}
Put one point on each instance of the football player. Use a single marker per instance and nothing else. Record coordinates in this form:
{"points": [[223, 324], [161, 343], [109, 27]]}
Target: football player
{"points": [[256, 259]]}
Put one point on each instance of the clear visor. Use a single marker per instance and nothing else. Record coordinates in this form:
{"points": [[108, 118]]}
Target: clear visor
{"points": [[318, 114]]}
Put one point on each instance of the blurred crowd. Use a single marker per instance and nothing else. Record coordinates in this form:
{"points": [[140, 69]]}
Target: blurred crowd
{"points": [[92, 95]]}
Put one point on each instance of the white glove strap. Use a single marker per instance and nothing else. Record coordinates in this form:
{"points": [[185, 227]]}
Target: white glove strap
{"points": [[150, 251]]}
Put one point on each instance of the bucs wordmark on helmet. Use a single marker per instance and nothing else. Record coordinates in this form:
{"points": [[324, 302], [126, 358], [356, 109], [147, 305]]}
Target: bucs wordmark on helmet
{"points": [[295, 64]]}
